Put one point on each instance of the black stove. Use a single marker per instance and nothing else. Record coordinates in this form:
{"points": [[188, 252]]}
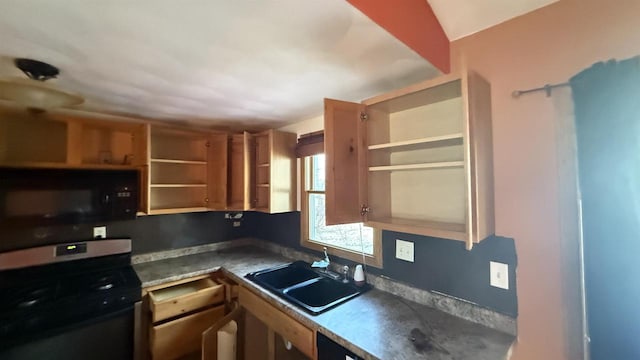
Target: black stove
{"points": [[46, 291]]}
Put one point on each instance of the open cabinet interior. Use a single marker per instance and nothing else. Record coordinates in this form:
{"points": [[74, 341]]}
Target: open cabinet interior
{"points": [[178, 171], [416, 159], [30, 139]]}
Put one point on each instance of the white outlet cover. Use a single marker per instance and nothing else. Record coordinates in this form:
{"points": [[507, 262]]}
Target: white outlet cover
{"points": [[404, 250], [499, 275], [100, 232]]}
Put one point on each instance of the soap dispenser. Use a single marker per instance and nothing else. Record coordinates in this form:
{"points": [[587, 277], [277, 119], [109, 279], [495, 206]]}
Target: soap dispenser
{"points": [[358, 276]]}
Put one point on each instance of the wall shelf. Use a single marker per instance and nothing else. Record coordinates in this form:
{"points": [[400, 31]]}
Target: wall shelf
{"points": [[175, 161], [438, 165], [421, 141]]}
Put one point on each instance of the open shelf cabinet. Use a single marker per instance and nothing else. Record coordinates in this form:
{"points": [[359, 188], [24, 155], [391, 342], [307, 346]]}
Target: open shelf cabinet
{"points": [[416, 160], [187, 171], [29, 139], [262, 172]]}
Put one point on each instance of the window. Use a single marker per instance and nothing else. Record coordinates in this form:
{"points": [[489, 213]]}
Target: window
{"points": [[347, 240]]}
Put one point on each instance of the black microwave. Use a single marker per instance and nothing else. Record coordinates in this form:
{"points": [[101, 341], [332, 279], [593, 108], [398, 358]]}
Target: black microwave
{"points": [[38, 197]]}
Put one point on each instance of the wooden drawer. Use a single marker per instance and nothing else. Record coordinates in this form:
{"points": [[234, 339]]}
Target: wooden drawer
{"points": [[182, 336], [290, 329], [175, 300]]}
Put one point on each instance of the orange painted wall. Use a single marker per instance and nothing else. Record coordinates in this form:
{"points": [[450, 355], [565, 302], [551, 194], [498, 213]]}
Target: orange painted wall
{"points": [[412, 22], [547, 46]]}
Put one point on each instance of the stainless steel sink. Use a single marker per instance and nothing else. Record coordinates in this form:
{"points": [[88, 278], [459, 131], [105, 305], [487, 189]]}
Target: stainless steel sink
{"points": [[305, 287]]}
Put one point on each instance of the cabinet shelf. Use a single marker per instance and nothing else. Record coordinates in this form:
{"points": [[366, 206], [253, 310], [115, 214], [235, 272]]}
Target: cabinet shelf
{"points": [[176, 210], [436, 165], [57, 165], [439, 229], [435, 140], [173, 161], [178, 185]]}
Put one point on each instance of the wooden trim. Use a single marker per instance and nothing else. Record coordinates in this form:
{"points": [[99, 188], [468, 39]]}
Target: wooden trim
{"points": [[374, 260], [310, 144]]}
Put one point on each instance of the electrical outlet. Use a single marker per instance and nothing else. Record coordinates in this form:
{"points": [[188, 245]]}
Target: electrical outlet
{"points": [[404, 250], [100, 232], [499, 275]]}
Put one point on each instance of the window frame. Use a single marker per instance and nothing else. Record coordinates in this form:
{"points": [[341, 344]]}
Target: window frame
{"points": [[374, 260]]}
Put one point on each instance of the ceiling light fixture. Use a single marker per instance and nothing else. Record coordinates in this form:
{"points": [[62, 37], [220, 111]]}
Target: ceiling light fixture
{"points": [[33, 92]]}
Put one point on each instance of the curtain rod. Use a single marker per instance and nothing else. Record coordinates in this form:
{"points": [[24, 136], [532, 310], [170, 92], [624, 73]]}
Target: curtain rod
{"points": [[547, 89]]}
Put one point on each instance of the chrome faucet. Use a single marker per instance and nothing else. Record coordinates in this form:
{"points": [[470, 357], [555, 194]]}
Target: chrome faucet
{"points": [[323, 264], [326, 256]]}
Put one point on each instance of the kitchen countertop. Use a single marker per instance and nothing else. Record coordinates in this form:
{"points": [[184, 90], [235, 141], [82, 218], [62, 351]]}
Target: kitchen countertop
{"points": [[374, 325]]}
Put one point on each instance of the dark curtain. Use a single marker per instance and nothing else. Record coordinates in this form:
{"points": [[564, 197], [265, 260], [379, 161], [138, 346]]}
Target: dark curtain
{"points": [[607, 108]]}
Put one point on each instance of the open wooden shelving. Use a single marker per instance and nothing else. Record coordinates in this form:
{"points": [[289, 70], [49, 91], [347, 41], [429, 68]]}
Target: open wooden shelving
{"points": [[420, 162]]}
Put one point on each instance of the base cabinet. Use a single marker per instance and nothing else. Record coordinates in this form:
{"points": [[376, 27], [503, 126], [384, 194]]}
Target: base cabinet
{"points": [[287, 327], [175, 315]]}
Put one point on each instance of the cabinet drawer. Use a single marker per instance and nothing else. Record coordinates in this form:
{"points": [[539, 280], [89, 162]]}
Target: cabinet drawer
{"points": [[175, 300], [182, 336], [290, 329]]}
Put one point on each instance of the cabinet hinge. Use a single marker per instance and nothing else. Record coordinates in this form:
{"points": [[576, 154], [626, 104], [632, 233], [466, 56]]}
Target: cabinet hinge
{"points": [[364, 116], [364, 210]]}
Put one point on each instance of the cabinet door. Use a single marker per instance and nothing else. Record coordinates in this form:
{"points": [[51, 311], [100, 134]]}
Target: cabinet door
{"points": [[217, 171], [249, 179], [481, 221], [345, 153], [210, 336]]}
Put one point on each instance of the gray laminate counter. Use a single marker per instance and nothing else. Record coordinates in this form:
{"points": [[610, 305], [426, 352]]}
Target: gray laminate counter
{"points": [[375, 325]]}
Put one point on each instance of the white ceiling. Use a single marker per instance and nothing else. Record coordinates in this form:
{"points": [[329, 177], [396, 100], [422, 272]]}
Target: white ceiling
{"points": [[240, 63], [243, 63], [460, 18]]}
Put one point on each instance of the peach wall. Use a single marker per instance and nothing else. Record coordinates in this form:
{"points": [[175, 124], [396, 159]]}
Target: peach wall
{"points": [[547, 46]]}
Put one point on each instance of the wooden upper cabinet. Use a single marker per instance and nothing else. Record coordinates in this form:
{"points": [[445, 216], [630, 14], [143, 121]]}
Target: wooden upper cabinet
{"points": [[53, 141], [345, 151], [241, 170], [420, 162], [188, 170], [275, 172]]}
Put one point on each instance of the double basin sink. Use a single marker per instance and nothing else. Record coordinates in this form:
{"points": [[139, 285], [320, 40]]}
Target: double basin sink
{"points": [[312, 290]]}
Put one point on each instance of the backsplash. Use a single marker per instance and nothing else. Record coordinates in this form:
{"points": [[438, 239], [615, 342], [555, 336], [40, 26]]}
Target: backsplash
{"points": [[149, 233], [443, 266]]}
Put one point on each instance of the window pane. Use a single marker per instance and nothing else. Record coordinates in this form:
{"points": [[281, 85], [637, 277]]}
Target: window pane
{"points": [[345, 236], [317, 162]]}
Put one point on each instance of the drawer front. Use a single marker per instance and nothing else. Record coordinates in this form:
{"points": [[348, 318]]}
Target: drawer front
{"points": [[183, 298], [290, 329], [182, 336]]}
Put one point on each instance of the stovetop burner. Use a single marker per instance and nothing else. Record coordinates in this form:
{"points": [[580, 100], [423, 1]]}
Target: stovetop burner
{"points": [[34, 296], [49, 297]]}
